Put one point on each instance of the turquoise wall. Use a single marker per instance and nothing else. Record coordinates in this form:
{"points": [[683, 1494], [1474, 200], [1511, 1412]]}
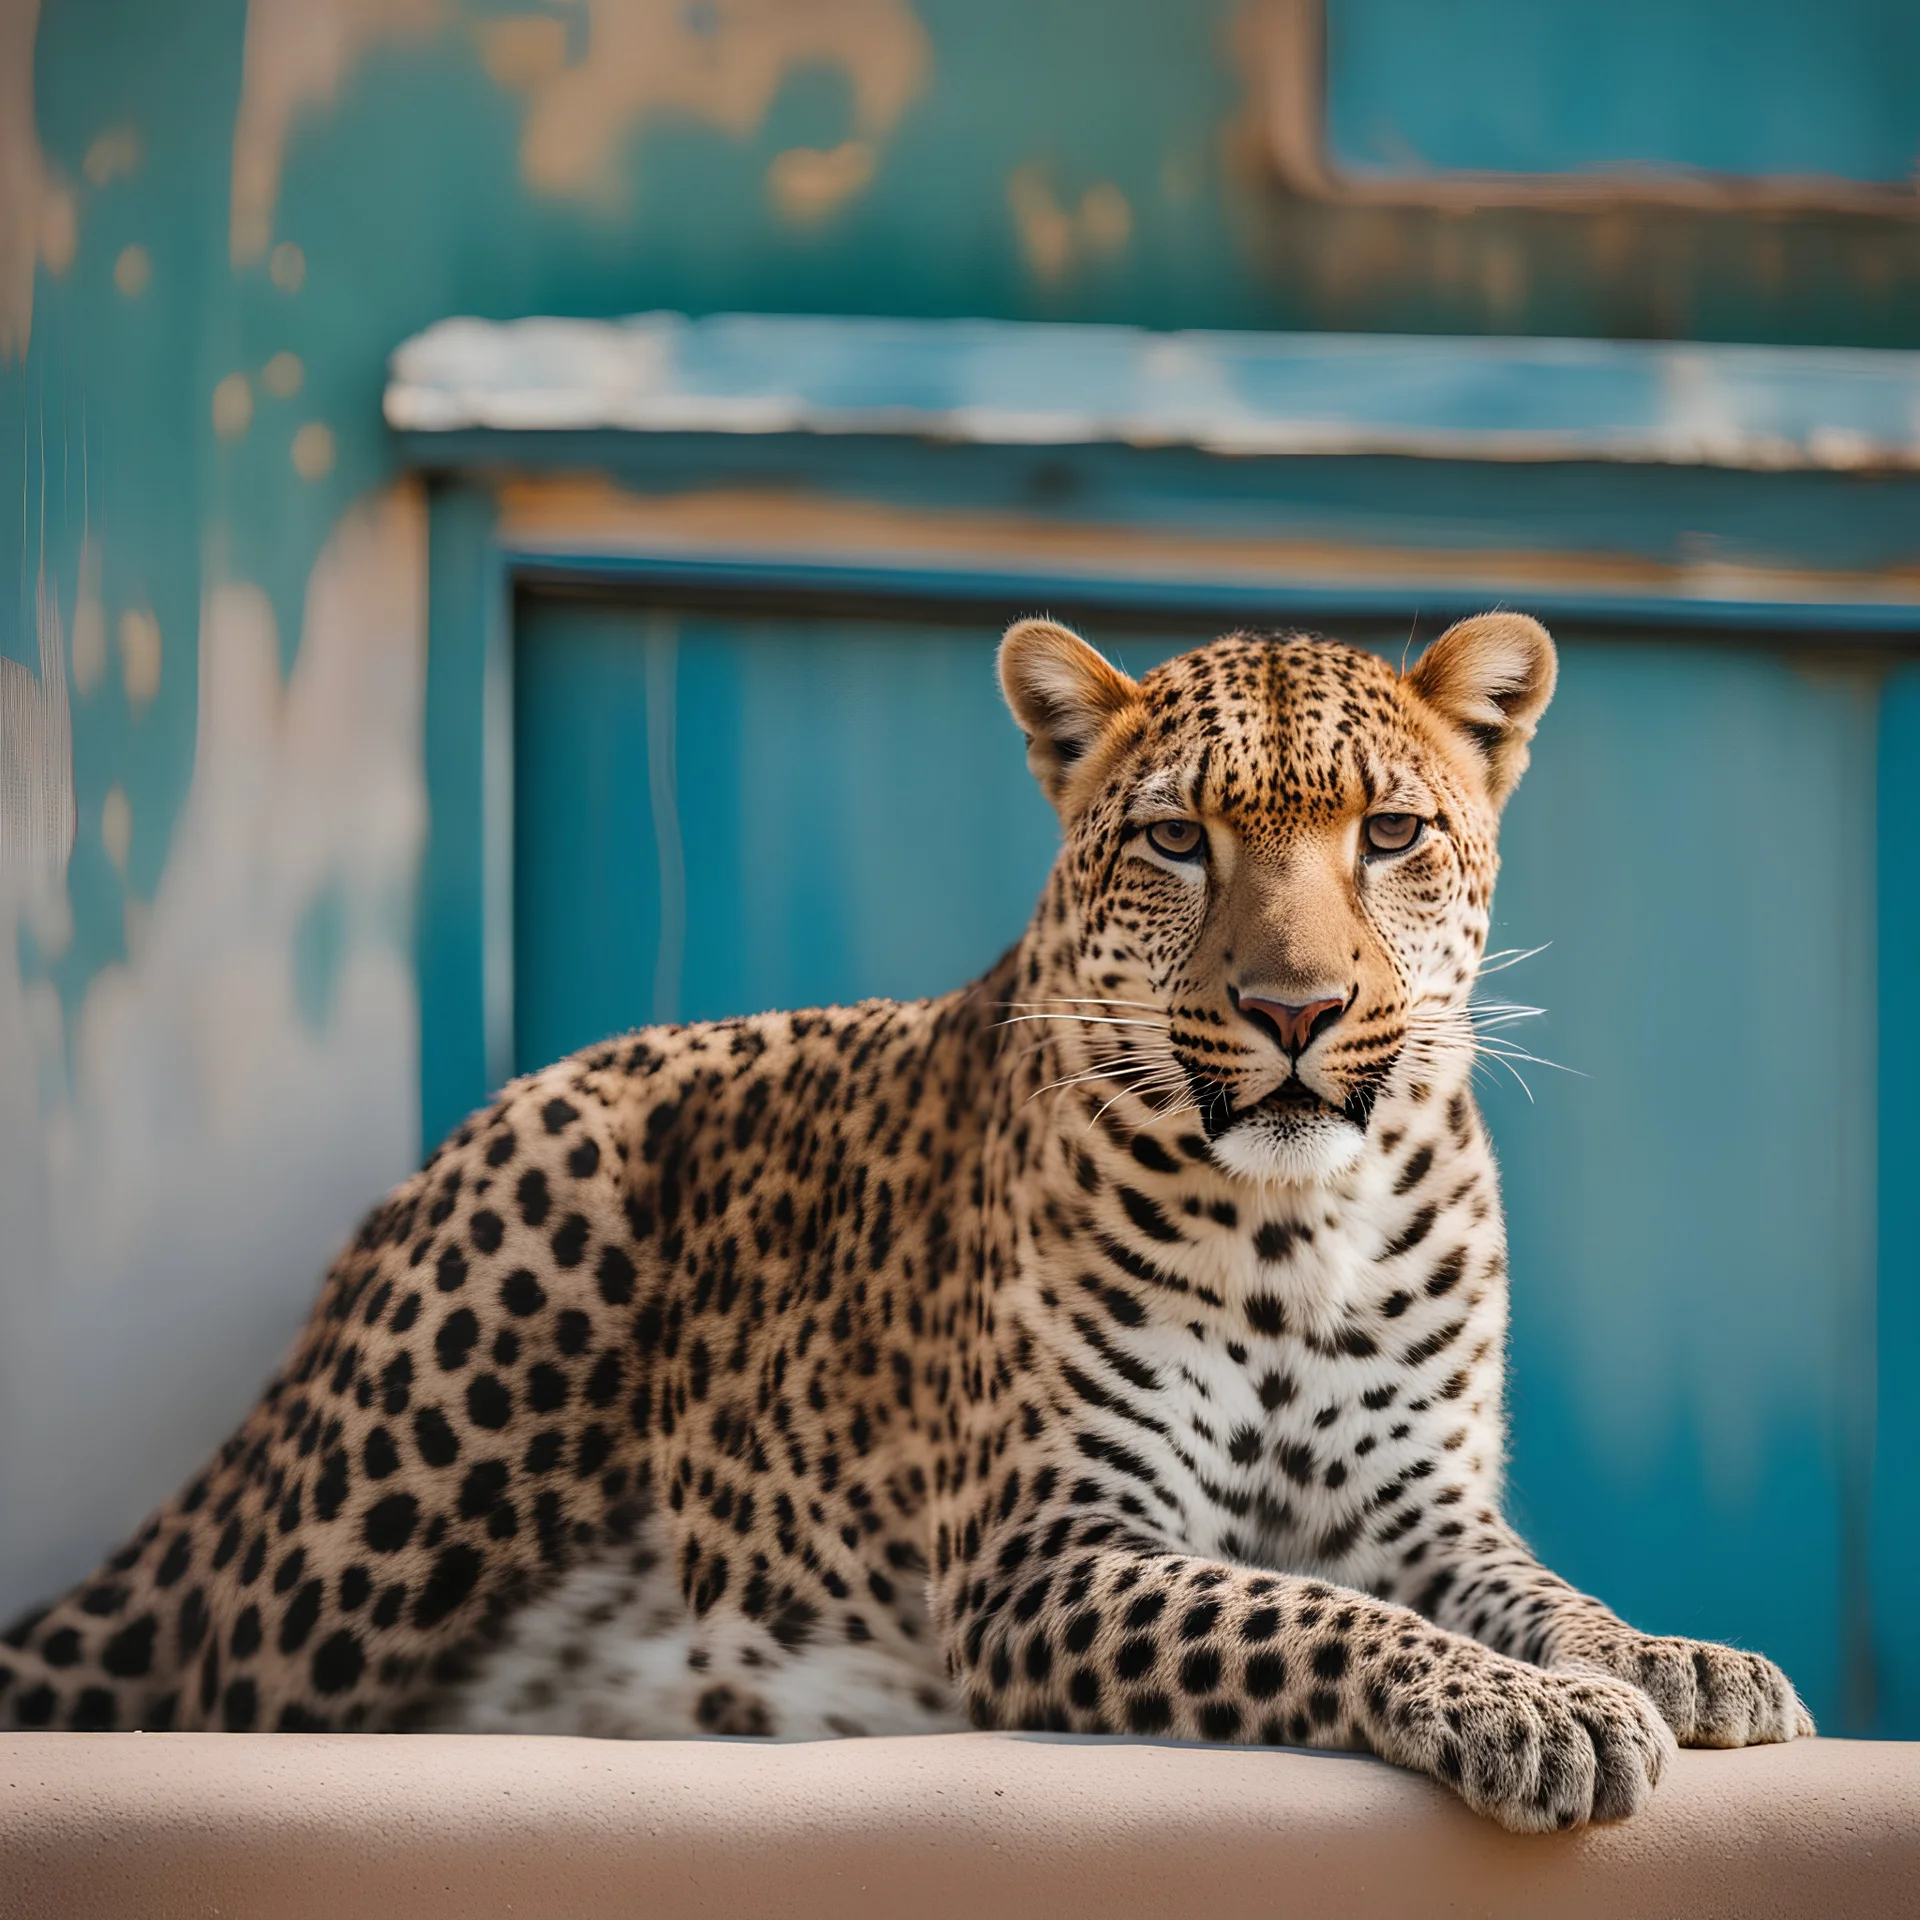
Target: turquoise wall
{"points": [[217, 219]]}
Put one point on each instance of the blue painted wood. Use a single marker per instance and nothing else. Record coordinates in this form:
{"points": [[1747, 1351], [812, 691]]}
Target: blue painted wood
{"points": [[1511, 86], [1894, 1520], [1025, 384], [456, 939], [1804, 550], [722, 815], [1691, 1212]]}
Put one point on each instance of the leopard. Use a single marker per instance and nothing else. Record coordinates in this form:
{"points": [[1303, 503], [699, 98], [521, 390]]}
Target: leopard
{"points": [[1113, 1346]]}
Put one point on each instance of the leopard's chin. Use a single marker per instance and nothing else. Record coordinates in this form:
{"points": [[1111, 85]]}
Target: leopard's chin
{"points": [[1300, 1141]]}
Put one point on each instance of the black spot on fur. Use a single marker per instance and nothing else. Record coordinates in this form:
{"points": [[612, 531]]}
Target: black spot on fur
{"points": [[337, 1662], [390, 1523], [454, 1576]]}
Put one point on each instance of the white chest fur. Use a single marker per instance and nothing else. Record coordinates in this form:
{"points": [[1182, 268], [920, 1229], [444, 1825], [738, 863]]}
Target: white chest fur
{"points": [[1323, 1360]]}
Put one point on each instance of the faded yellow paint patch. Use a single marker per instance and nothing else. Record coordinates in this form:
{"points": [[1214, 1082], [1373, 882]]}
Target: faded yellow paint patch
{"points": [[297, 54], [232, 406], [139, 655], [116, 827], [522, 50], [283, 375], [723, 61], [112, 156], [133, 270], [39, 220], [807, 184], [59, 229], [314, 451], [1056, 239], [287, 267]]}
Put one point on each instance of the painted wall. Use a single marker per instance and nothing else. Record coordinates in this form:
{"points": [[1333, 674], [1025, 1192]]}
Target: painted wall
{"points": [[217, 218]]}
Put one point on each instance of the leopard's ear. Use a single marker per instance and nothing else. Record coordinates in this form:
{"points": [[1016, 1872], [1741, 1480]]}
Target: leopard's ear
{"points": [[1489, 679], [1064, 696]]}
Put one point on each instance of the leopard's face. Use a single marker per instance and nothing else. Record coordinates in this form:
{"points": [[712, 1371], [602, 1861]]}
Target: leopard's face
{"points": [[1279, 860]]}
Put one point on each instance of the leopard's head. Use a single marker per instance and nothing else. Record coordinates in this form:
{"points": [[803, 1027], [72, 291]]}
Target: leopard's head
{"points": [[1272, 900]]}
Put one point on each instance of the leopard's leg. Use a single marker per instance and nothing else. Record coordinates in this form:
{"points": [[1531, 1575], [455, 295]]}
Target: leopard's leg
{"points": [[1478, 1577], [1064, 1617]]}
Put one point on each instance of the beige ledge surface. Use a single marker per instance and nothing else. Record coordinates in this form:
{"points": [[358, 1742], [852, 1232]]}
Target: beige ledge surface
{"points": [[1001, 1825]]}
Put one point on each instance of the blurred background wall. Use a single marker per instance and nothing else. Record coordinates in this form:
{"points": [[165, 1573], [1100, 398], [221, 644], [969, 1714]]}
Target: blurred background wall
{"points": [[218, 218]]}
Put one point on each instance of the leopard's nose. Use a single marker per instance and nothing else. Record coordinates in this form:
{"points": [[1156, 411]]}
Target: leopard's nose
{"points": [[1295, 1024]]}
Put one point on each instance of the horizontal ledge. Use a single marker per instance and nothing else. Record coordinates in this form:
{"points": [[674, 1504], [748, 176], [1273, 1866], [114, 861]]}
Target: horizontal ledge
{"points": [[1257, 602], [285, 1827], [585, 530], [1016, 383]]}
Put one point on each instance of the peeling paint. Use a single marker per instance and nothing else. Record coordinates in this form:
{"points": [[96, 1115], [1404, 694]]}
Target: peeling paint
{"points": [[523, 49], [175, 1195], [1055, 239], [113, 155], [38, 218], [139, 655], [298, 54], [132, 270], [232, 406], [807, 184], [313, 451], [283, 375], [723, 62], [116, 827], [1271, 394]]}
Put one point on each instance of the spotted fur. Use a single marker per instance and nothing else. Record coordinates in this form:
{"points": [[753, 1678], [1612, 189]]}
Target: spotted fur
{"points": [[1077, 1351]]}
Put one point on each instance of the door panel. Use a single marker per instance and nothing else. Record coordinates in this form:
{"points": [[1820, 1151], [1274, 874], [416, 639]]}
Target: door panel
{"points": [[1691, 1210], [719, 813]]}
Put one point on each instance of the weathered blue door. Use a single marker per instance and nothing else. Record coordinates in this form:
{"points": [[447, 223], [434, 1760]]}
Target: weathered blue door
{"points": [[716, 813]]}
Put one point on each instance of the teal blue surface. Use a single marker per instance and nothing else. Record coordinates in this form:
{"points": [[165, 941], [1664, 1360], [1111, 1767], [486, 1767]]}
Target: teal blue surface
{"points": [[721, 815], [461, 1060], [1567, 85], [1894, 1536], [1691, 1207], [839, 807]]}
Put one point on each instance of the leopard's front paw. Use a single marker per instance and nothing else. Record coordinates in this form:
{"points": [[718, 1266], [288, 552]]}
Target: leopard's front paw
{"points": [[1535, 1751], [1711, 1696]]}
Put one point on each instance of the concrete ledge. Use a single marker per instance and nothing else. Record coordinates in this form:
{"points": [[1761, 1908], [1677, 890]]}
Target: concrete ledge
{"points": [[998, 1824]]}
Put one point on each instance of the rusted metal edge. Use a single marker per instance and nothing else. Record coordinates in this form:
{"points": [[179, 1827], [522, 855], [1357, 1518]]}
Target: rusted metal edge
{"points": [[574, 526], [1015, 383]]}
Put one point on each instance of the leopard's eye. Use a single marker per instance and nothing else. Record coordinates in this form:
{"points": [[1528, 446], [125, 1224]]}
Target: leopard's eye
{"points": [[1392, 832], [1177, 839]]}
